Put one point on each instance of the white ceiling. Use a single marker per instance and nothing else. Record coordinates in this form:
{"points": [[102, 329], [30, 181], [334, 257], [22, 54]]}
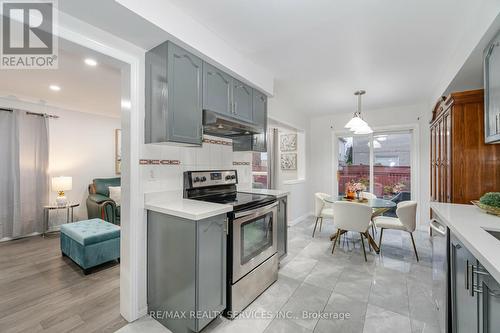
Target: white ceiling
{"points": [[83, 88], [321, 51]]}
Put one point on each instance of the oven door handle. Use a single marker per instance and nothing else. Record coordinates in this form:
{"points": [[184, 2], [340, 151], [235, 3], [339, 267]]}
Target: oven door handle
{"points": [[258, 210]]}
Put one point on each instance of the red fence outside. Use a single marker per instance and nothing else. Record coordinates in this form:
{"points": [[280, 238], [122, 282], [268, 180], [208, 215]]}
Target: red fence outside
{"points": [[384, 176]]}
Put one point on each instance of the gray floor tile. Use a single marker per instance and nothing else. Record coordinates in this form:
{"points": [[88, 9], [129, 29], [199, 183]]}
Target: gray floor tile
{"points": [[298, 268], [325, 275], [285, 326], [422, 327], [383, 321], [304, 303]]}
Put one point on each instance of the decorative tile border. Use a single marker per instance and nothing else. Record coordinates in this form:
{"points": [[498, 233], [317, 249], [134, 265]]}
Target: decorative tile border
{"points": [[241, 163], [217, 142], [159, 162]]}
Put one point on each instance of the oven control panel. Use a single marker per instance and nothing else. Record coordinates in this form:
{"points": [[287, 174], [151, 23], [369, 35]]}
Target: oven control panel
{"points": [[212, 178]]}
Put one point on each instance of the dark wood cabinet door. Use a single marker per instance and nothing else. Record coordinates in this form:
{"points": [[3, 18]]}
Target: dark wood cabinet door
{"points": [[448, 159], [433, 163]]}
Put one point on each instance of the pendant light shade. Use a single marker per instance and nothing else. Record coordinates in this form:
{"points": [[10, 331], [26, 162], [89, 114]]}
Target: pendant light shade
{"points": [[357, 124]]}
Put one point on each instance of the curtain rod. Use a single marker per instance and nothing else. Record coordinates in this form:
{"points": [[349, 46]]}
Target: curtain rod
{"points": [[33, 113]]}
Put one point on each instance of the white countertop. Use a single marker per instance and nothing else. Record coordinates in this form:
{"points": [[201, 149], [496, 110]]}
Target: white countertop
{"points": [[467, 223], [185, 208], [274, 193]]}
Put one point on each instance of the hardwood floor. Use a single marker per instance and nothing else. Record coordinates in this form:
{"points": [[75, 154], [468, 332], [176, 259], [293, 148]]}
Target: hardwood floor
{"points": [[41, 291]]}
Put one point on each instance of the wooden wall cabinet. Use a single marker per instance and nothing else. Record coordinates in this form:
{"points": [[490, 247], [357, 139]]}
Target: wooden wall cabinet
{"points": [[463, 166]]}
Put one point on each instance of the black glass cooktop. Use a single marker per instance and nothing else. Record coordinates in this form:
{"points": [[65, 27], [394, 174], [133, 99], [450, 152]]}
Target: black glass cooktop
{"points": [[239, 200]]}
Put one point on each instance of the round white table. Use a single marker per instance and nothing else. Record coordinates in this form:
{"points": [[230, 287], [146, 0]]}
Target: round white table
{"points": [[69, 212]]}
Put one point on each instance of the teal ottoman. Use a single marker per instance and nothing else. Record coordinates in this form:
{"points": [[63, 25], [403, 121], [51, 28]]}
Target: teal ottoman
{"points": [[90, 243]]}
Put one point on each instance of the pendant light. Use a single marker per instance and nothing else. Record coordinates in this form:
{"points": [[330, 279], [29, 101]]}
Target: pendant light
{"points": [[357, 124]]}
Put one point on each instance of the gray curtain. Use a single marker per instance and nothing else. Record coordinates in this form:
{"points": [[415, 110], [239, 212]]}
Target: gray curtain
{"points": [[24, 183]]}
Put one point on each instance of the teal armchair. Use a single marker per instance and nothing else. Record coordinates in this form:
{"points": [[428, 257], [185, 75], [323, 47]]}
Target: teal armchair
{"points": [[99, 204]]}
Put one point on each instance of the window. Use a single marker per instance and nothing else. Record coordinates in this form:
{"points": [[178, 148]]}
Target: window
{"points": [[381, 161], [259, 170]]}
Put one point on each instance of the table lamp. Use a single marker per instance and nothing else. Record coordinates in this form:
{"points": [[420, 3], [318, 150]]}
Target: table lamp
{"points": [[61, 184]]}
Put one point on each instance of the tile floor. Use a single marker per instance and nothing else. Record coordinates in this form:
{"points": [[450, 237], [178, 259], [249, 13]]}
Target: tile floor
{"points": [[389, 293]]}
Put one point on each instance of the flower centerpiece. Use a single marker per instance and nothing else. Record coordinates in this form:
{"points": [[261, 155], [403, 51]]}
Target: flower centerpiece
{"points": [[354, 188]]}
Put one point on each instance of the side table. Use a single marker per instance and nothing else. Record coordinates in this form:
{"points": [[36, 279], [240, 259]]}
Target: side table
{"points": [[69, 210]]}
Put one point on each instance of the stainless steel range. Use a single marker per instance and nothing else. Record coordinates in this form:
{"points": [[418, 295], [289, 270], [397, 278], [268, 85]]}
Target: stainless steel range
{"points": [[252, 237]]}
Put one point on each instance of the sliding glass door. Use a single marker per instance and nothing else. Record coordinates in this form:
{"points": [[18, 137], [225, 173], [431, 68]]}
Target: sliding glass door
{"points": [[381, 161]]}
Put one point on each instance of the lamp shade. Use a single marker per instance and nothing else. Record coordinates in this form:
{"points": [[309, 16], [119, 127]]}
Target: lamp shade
{"points": [[355, 122], [62, 184]]}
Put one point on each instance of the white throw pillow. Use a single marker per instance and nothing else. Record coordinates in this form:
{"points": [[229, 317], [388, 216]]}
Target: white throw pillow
{"points": [[115, 193]]}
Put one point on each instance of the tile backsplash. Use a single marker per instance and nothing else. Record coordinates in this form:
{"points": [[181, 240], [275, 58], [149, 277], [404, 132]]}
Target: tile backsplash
{"points": [[215, 153]]}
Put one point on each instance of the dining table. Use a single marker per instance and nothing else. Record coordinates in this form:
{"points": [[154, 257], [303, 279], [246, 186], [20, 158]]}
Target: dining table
{"points": [[378, 206]]}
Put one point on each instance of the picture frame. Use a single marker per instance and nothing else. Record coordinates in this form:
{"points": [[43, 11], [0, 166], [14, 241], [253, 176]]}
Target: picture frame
{"points": [[288, 142], [288, 161]]}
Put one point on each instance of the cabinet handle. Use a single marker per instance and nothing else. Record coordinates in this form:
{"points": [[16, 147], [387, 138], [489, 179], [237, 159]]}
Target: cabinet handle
{"points": [[227, 226], [235, 108], [471, 271]]}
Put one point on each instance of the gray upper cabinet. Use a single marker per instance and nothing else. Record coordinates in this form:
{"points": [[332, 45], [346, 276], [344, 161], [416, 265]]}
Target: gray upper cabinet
{"points": [[217, 88], [492, 91], [173, 95], [242, 101], [257, 142], [259, 108]]}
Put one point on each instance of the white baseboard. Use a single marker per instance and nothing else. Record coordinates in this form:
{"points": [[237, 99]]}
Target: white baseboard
{"points": [[300, 219]]}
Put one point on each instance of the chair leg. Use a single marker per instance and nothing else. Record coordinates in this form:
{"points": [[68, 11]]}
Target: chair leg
{"points": [[335, 241], [380, 240], [315, 225], [414, 247], [363, 245], [320, 224]]}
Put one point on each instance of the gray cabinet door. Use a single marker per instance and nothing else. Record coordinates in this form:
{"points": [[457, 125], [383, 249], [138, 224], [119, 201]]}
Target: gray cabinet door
{"points": [[464, 306], [282, 227], [242, 101], [216, 90], [259, 108], [489, 303], [184, 96], [211, 267], [156, 94]]}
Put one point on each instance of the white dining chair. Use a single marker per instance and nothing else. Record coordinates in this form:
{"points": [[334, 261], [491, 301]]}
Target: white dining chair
{"points": [[350, 216], [370, 196], [406, 221], [321, 210]]}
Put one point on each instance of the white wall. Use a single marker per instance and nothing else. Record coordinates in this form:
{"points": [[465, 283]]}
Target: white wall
{"points": [[81, 145], [289, 118], [322, 131]]}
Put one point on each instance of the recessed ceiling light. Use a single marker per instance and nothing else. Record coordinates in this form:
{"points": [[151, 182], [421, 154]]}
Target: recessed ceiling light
{"points": [[90, 62], [54, 87]]}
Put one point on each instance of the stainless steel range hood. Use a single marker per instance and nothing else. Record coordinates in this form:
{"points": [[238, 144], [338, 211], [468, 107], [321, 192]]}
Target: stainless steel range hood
{"points": [[226, 126]]}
